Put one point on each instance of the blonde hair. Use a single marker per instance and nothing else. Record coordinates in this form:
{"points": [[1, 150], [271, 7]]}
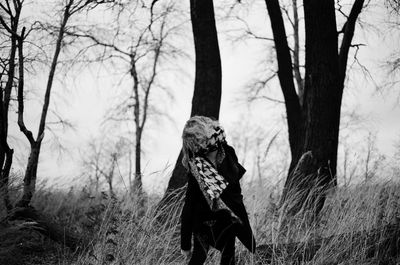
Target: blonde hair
{"points": [[196, 133]]}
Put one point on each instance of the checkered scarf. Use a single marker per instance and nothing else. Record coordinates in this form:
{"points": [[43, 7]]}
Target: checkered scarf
{"points": [[216, 139], [211, 183], [208, 178]]}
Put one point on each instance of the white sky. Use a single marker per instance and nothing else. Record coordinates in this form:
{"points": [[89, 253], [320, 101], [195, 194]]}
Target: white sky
{"points": [[84, 98]]}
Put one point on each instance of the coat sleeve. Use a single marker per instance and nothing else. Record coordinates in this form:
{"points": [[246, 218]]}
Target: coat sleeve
{"points": [[235, 160], [186, 217]]}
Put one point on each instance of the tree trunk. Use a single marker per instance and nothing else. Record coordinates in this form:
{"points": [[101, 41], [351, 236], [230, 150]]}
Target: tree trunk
{"points": [[294, 113], [314, 124], [130, 171], [6, 153], [5, 174], [322, 92], [138, 171], [6, 158], [30, 175], [207, 87], [31, 170]]}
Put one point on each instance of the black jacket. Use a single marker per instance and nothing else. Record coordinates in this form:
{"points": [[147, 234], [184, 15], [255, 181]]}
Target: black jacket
{"points": [[196, 210]]}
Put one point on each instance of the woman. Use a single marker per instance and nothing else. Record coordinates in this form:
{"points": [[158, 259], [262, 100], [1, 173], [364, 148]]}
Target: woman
{"points": [[213, 212]]}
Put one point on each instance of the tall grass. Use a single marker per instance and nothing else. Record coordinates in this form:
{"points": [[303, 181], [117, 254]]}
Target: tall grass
{"points": [[150, 239]]}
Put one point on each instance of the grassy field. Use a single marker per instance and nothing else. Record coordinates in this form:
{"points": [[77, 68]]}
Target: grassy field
{"points": [[140, 238]]}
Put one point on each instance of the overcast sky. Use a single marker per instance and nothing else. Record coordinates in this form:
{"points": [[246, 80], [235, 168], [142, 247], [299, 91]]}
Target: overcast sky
{"points": [[85, 97]]}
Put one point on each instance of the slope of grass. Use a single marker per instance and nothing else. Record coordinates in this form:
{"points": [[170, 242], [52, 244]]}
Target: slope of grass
{"points": [[143, 239]]}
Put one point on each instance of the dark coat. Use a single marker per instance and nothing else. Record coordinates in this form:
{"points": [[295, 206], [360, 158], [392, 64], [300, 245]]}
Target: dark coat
{"points": [[196, 211]]}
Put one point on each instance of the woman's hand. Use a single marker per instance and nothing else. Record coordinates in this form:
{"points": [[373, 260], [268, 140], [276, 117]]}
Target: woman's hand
{"points": [[186, 253]]}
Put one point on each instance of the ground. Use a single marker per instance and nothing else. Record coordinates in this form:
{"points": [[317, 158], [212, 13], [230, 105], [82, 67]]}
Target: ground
{"points": [[20, 244]]}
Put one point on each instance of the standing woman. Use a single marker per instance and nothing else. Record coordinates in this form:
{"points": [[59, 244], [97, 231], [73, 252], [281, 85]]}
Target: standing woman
{"points": [[213, 212]]}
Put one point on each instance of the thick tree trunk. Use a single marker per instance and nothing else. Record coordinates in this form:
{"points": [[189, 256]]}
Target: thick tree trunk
{"points": [[314, 124], [178, 178], [207, 88], [30, 175], [322, 93]]}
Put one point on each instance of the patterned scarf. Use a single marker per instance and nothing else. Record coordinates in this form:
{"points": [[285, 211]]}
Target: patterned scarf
{"points": [[211, 183]]}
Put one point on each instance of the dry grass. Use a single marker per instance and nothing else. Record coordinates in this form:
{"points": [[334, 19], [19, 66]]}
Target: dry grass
{"points": [[146, 240]]}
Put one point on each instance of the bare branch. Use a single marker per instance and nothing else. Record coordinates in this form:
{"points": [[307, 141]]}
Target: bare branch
{"points": [[53, 66], [285, 71], [394, 5], [97, 41], [339, 9], [4, 24], [270, 99], [348, 36], [291, 21], [21, 123], [296, 53], [250, 33], [7, 9]]}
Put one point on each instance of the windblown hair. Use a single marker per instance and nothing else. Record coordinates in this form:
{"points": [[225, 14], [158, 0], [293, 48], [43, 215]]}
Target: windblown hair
{"points": [[196, 134]]}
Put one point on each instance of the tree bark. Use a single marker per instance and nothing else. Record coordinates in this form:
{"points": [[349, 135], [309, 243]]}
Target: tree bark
{"points": [[322, 90], [138, 170], [30, 176], [313, 121], [207, 87]]}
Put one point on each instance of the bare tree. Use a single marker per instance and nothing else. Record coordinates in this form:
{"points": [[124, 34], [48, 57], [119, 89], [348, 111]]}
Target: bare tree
{"points": [[373, 161], [101, 161], [92, 164], [139, 49], [349, 170], [313, 120], [312, 77], [70, 8], [10, 12]]}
